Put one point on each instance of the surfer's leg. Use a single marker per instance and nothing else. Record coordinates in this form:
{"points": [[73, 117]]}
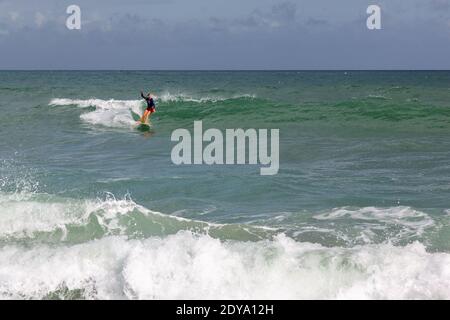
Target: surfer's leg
{"points": [[150, 112], [144, 116]]}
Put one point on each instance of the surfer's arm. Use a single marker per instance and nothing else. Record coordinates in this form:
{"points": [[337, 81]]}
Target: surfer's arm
{"points": [[142, 95]]}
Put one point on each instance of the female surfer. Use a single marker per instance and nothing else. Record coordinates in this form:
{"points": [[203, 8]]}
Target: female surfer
{"points": [[150, 107]]}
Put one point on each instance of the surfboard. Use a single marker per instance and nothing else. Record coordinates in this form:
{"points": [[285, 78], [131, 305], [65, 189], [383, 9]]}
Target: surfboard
{"points": [[144, 127], [140, 126], [135, 116]]}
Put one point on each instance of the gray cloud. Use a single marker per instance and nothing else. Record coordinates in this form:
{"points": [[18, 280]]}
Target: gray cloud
{"points": [[215, 34], [279, 15], [284, 11]]}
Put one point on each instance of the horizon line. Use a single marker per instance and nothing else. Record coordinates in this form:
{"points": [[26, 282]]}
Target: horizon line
{"points": [[234, 70]]}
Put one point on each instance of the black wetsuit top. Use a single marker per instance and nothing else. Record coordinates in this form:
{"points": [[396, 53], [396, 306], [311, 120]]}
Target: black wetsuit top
{"points": [[150, 102]]}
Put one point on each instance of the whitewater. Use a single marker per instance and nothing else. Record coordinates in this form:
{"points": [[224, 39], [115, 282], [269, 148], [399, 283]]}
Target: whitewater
{"points": [[95, 250]]}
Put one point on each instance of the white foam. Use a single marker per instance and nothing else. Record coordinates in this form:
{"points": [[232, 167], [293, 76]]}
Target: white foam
{"points": [[109, 113], [410, 219], [185, 265], [188, 266], [181, 97], [22, 215], [22, 219], [378, 96], [99, 103]]}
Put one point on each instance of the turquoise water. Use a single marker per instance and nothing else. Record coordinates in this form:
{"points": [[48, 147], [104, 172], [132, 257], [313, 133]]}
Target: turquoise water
{"points": [[92, 208]]}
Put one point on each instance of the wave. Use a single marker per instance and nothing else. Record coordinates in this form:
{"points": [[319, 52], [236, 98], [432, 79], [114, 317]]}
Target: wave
{"points": [[395, 224], [102, 104], [181, 97], [191, 266], [48, 218], [53, 247], [353, 226], [401, 215], [116, 113], [109, 113], [378, 96], [165, 97], [51, 219]]}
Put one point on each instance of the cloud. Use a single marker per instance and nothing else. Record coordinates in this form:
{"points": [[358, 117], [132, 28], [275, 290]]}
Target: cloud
{"points": [[14, 16], [39, 19], [218, 34], [277, 16], [285, 11]]}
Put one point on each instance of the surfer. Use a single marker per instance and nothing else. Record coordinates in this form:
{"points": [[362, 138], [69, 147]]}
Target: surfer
{"points": [[150, 107]]}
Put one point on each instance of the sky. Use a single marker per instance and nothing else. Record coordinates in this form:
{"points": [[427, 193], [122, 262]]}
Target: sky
{"points": [[225, 35]]}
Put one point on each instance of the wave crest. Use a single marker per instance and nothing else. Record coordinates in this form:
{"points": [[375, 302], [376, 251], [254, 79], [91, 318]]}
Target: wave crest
{"points": [[50, 219], [116, 113], [191, 266]]}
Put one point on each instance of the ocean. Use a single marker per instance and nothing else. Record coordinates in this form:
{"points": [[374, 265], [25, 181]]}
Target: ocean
{"points": [[91, 208]]}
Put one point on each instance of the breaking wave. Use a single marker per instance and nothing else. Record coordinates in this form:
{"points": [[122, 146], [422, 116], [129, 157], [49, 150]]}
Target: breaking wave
{"points": [[117, 249], [116, 113], [191, 266]]}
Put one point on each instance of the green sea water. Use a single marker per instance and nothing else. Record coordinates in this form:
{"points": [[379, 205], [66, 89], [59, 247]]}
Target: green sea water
{"points": [[92, 208]]}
